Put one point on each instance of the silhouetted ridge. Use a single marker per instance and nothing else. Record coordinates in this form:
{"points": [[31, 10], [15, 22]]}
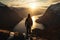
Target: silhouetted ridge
{"points": [[51, 16], [51, 22], [8, 17]]}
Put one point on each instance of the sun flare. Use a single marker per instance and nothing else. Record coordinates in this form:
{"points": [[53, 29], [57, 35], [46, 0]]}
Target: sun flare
{"points": [[32, 5]]}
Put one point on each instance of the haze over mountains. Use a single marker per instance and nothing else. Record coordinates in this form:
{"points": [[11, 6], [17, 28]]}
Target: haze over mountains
{"points": [[23, 11]]}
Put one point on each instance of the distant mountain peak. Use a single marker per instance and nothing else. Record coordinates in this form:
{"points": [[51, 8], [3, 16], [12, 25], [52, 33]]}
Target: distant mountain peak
{"points": [[1, 4]]}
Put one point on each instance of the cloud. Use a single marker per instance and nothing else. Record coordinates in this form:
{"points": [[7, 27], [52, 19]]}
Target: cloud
{"points": [[25, 2]]}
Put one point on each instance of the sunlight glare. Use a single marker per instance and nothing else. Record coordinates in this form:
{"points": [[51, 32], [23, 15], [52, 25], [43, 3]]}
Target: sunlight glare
{"points": [[33, 5], [34, 19]]}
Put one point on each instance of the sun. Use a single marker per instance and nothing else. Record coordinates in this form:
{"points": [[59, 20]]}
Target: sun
{"points": [[32, 5]]}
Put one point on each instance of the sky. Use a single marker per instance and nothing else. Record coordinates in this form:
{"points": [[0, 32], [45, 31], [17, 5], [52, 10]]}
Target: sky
{"points": [[25, 3]]}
